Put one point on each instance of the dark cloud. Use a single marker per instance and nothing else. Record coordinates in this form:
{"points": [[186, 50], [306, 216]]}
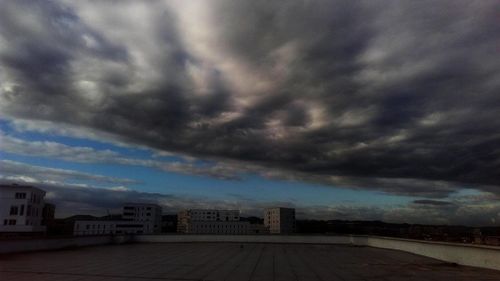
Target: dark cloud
{"points": [[432, 202], [367, 90]]}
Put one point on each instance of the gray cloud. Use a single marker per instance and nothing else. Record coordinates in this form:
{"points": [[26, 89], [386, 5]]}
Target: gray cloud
{"points": [[17, 171], [375, 93], [82, 154], [432, 202]]}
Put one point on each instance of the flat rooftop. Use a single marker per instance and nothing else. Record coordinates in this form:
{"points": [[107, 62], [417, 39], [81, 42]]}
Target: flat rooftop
{"points": [[231, 261]]}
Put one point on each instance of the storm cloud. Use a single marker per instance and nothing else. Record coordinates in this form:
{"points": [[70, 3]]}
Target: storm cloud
{"points": [[371, 94]]}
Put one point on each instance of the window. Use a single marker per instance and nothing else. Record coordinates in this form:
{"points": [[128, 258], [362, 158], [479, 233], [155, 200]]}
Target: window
{"points": [[12, 222], [28, 210], [5, 222], [20, 195], [21, 213], [13, 210]]}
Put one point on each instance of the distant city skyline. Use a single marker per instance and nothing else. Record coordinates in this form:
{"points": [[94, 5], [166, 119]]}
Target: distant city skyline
{"points": [[342, 110]]}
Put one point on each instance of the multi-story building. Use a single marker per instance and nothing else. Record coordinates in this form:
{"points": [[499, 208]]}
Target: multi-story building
{"points": [[137, 218], [201, 221], [103, 227], [218, 227], [280, 220], [21, 208], [148, 214]]}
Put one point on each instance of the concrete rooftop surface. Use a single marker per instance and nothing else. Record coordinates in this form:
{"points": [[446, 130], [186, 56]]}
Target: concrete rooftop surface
{"points": [[230, 261]]}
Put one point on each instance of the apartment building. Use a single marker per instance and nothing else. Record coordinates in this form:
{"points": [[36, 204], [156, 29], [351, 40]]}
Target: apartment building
{"points": [[280, 220], [148, 214], [21, 208], [137, 218], [200, 221]]}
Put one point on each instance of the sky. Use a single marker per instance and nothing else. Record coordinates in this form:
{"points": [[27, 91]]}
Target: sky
{"points": [[367, 110]]}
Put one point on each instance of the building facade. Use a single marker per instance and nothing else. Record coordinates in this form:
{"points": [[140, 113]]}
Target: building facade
{"points": [[107, 227], [280, 220], [21, 208], [218, 227], [148, 214], [492, 240], [199, 221], [137, 218]]}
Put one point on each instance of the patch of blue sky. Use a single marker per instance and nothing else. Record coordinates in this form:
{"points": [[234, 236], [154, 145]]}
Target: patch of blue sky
{"points": [[109, 170], [310, 193], [250, 187], [5, 126], [126, 151]]}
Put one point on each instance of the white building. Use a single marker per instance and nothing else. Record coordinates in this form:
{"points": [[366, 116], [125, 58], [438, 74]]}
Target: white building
{"points": [[21, 208], [137, 218], [148, 214], [218, 227], [201, 221], [103, 227], [280, 220]]}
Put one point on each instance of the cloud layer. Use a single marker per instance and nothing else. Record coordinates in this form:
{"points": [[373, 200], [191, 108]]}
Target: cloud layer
{"points": [[17, 171], [369, 91], [70, 199]]}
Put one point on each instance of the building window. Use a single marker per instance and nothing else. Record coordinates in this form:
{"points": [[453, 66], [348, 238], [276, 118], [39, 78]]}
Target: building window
{"points": [[21, 213], [12, 222], [5, 222], [13, 210], [20, 195]]}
